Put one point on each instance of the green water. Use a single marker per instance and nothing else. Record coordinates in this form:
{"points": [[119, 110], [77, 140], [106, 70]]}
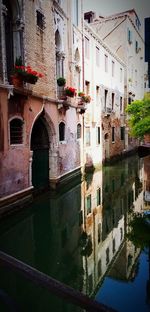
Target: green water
{"points": [[79, 236]]}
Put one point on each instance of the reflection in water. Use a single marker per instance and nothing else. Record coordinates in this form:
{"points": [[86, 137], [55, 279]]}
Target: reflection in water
{"points": [[79, 237]]}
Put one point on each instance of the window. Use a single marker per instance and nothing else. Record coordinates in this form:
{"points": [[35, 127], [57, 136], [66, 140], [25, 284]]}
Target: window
{"points": [[40, 20], [106, 63], [75, 13], [78, 131], [136, 47], [122, 133], [113, 134], [99, 267], [97, 95], [121, 108], [97, 56], [114, 245], [98, 139], [88, 139], [135, 77], [16, 131], [61, 131], [106, 93], [98, 197], [120, 74], [99, 232], [129, 36], [87, 52], [113, 68], [112, 100], [88, 204], [107, 255], [87, 87]]}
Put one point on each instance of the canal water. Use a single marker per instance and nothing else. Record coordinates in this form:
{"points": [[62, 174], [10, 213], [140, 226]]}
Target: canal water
{"points": [[79, 236]]}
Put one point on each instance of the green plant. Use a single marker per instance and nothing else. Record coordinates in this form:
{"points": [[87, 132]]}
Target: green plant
{"points": [[139, 121], [61, 81]]}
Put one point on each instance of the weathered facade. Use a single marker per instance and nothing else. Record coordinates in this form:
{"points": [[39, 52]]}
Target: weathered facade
{"points": [[38, 128]]}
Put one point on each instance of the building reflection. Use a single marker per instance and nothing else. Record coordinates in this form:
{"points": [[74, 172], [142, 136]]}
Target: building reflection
{"points": [[78, 235], [111, 197]]}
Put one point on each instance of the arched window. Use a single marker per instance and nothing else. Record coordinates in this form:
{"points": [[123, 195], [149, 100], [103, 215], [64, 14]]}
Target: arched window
{"points": [[57, 40], [78, 131], [16, 131], [13, 27], [61, 131]]}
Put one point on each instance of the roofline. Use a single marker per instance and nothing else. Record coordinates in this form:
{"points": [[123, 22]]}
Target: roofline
{"points": [[118, 16], [102, 42]]}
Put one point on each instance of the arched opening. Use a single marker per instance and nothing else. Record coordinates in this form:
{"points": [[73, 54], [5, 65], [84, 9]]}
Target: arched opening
{"points": [[40, 160], [77, 56], [12, 33], [16, 131], [57, 41], [61, 131]]}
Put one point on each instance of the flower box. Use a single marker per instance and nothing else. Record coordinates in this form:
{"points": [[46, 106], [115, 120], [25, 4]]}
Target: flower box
{"points": [[26, 73], [69, 91]]}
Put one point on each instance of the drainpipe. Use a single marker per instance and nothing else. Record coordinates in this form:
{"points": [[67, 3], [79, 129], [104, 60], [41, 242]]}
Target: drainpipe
{"points": [[82, 30]]}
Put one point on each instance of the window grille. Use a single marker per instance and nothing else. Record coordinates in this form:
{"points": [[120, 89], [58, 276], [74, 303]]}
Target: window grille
{"points": [[16, 131]]}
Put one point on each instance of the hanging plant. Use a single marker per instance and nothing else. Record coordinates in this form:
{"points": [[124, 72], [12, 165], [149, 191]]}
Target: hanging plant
{"points": [[61, 81]]}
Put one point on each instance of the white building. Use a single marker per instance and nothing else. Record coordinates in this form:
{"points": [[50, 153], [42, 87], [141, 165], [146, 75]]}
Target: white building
{"points": [[104, 82]]}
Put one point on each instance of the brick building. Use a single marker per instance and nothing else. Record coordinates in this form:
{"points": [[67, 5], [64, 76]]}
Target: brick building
{"points": [[40, 130]]}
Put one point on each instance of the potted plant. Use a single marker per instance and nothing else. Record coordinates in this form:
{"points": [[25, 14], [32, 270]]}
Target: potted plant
{"points": [[61, 81], [81, 94], [69, 91], [25, 73], [86, 98]]}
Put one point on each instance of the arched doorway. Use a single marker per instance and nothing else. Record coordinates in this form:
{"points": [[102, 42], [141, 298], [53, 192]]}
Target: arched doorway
{"points": [[40, 160]]}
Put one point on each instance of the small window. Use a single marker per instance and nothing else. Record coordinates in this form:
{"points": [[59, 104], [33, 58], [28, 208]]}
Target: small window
{"points": [[97, 95], [98, 138], [16, 131], [121, 107], [122, 133], [136, 47], [99, 268], [61, 131], [97, 56], [113, 68], [106, 63], [98, 197], [113, 134], [88, 204], [120, 74], [87, 51], [87, 87], [105, 98], [40, 20], [78, 131], [99, 232], [114, 246], [112, 100], [129, 36], [107, 256], [88, 139]]}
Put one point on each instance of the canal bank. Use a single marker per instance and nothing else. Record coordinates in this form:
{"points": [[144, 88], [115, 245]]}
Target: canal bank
{"points": [[19, 200]]}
